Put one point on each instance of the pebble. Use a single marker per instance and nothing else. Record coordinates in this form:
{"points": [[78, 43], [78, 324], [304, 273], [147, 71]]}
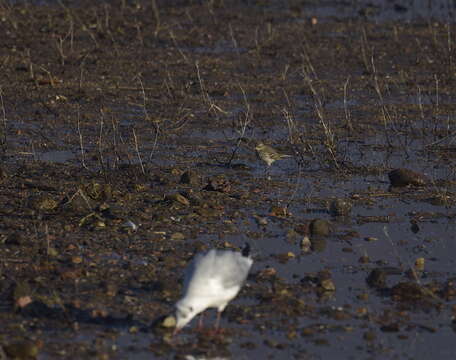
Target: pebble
{"points": [[320, 227], [340, 207], [405, 177]]}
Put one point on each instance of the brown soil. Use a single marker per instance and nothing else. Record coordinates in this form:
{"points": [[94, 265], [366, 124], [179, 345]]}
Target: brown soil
{"points": [[106, 107]]}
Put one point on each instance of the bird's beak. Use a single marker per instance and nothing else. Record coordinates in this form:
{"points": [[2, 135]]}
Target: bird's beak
{"points": [[176, 331]]}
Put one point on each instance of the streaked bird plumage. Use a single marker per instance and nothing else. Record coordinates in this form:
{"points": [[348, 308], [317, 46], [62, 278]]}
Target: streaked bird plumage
{"points": [[268, 154]]}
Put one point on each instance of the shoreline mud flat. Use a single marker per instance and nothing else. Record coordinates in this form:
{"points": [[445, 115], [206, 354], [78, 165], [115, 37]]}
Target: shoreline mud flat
{"points": [[127, 142]]}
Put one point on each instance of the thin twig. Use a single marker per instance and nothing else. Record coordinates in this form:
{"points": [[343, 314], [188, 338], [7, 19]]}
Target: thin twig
{"points": [[243, 126], [4, 117], [81, 142], [138, 153]]}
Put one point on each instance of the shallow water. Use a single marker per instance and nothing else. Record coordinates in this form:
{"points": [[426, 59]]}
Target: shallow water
{"points": [[148, 100]]}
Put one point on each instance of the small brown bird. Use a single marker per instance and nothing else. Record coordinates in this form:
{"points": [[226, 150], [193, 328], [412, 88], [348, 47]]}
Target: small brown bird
{"points": [[268, 154]]}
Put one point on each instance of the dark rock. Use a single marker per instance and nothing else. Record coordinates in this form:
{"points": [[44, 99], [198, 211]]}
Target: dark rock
{"points": [[42, 203], [279, 211], [318, 244], [393, 327], [407, 291], [449, 291], [319, 227], [99, 192], [414, 226], [405, 177], [190, 177], [3, 174], [218, 183], [340, 207], [21, 289], [377, 278], [15, 238], [369, 336], [22, 350], [177, 198]]}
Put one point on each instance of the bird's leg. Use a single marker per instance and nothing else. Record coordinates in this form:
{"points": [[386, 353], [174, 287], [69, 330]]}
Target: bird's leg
{"points": [[217, 321], [266, 172], [200, 321]]}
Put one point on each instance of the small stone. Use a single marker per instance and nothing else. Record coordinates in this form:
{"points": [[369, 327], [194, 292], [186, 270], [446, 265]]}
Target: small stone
{"points": [[99, 224], [52, 252], [177, 236], [22, 350], [362, 311], [218, 183], [76, 259], [267, 273], [440, 200], [3, 176], [377, 278], [292, 334], [419, 263], [407, 291], [111, 289], [261, 220], [176, 171], [308, 331], [14, 238], [43, 203], [328, 285], [318, 244], [169, 322], [321, 342], [129, 226], [271, 343], [279, 211], [80, 203], [97, 191], [21, 289], [370, 239], [178, 198], [319, 227], [248, 345], [140, 187], [405, 177], [23, 301], [133, 330], [369, 336], [393, 327], [414, 226], [291, 236], [305, 244], [190, 177], [283, 258], [302, 229], [340, 207], [2, 354]]}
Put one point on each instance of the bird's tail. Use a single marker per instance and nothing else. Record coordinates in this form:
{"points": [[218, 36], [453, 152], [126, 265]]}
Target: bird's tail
{"points": [[246, 250]]}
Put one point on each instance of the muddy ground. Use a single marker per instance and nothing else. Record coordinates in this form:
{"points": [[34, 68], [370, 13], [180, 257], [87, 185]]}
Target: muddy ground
{"points": [[127, 136]]}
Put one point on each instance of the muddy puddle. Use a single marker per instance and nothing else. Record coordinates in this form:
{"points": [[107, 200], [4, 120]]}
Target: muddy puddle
{"points": [[127, 142]]}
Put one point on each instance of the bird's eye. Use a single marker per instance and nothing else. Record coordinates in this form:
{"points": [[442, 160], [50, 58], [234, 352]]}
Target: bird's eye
{"points": [[190, 308]]}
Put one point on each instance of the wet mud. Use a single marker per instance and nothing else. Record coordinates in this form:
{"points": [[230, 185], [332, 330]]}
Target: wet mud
{"points": [[128, 140]]}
